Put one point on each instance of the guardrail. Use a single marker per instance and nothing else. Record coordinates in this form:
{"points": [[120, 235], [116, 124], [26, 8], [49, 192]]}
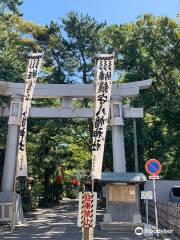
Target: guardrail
{"points": [[7, 214], [168, 215]]}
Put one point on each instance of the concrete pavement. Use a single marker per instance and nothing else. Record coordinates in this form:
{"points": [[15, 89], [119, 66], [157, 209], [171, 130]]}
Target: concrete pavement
{"points": [[59, 223]]}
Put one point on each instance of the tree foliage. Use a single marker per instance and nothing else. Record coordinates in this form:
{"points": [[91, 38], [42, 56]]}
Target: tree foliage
{"points": [[10, 5], [149, 48]]}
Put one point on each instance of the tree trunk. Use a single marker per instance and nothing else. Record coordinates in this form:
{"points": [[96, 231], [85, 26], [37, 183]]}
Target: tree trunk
{"points": [[46, 187]]}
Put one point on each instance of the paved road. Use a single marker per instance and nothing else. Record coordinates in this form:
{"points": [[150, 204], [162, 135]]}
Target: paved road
{"points": [[59, 223]]}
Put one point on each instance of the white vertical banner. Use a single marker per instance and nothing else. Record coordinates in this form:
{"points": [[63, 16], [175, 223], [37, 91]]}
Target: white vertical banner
{"points": [[34, 64], [103, 84]]}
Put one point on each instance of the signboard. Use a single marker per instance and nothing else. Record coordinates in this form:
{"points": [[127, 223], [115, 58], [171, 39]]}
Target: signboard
{"points": [[122, 193], [34, 63], [103, 83], [154, 177], [87, 209], [153, 167], [147, 195]]}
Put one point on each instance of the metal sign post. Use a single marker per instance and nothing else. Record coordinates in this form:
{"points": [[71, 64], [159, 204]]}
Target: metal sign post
{"points": [[147, 213], [155, 205], [146, 195], [153, 167]]}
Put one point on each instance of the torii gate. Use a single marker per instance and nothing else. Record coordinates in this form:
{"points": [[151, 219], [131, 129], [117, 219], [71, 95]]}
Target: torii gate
{"points": [[67, 92]]}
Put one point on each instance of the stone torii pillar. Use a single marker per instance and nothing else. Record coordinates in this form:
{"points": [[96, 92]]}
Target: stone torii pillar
{"points": [[119, 160], [118, 113], [11, 145]]}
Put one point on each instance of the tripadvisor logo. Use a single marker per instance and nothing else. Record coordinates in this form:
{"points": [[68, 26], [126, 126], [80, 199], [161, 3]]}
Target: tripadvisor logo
{"points": [[139, 231]]}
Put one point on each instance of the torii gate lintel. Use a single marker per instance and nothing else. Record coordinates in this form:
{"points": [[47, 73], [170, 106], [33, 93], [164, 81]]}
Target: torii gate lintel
{"points": [[73, 90]]}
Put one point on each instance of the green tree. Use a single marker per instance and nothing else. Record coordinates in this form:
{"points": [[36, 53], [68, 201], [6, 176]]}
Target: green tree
{"points": [[149, 48], [16, 42], [11, 5], [70, 48]]}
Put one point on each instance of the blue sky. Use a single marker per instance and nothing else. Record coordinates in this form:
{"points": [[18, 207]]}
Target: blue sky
{"points": [[111, 11]]}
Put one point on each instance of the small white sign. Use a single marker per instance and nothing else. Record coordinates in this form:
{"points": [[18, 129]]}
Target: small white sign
{"points": [[147, 195], [151, 177]]}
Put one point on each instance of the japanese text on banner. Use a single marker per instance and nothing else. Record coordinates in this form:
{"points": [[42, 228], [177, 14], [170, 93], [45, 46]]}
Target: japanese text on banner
{"points": [[34, 64], [105, 66]]}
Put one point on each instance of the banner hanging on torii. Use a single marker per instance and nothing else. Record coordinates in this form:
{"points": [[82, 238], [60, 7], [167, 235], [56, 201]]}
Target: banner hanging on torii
{"points": [[34, 64], [103, 84]]}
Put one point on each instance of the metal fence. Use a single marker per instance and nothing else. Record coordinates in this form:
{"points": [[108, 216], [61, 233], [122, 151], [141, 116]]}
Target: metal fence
{"points": [[168, 215]]}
